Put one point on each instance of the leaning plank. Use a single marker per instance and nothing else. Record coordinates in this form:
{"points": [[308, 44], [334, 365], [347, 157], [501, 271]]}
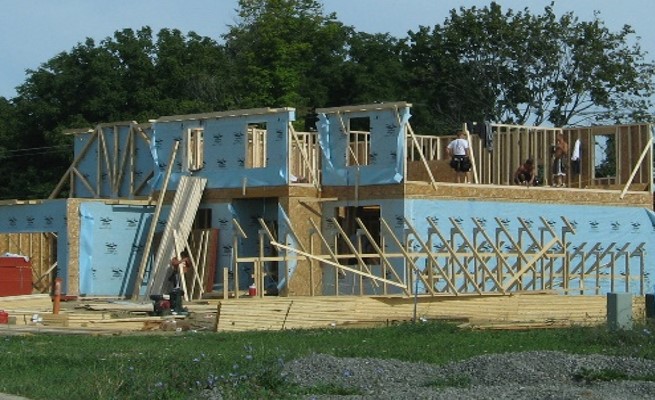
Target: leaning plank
{"points": [[153, 223]]}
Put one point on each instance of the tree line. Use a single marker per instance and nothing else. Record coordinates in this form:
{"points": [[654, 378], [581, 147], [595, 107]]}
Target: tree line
{"points": [[488, 63]]}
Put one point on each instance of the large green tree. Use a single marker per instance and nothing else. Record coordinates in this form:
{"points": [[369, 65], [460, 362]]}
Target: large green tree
{"points": [[373, 71], [480, 63], [132, 76], [525, 68], [287, 53]]}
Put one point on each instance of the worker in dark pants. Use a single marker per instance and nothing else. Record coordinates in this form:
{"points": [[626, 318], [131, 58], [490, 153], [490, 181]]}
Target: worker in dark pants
{"points": [[178, 264]]}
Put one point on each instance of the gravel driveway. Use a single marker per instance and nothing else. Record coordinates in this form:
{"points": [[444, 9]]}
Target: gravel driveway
{"points": [[527, 375]]}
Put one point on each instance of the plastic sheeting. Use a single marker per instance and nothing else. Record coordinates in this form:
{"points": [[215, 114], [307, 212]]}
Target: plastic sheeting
{"points": [[386, 154]]}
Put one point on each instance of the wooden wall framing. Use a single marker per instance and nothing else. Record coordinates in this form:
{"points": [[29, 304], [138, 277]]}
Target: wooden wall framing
{"points": [[512, 144], [40, 247], [449, 261], [109, 162]]}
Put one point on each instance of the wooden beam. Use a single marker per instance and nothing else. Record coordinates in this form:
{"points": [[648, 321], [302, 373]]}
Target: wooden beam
{"points": [[86, 183], [380, 252], [363, 108], [471, 155], [153, 222], [224, 114], [423, 160], [70, 169], [409, 259], [648, 147], [352, 248], [336, 264]]}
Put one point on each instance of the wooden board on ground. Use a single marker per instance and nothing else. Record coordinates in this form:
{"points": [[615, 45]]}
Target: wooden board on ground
{"points": [[325, 312]]}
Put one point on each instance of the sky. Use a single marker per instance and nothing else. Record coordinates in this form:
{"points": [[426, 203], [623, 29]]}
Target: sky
{"points": [[34, 31]]}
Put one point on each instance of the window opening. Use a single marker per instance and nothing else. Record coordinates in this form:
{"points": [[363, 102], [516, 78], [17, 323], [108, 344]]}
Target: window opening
{"points": [[370, 217], [605, 157], [359, 141], [195, 149], [203, 219], [255, 156]]}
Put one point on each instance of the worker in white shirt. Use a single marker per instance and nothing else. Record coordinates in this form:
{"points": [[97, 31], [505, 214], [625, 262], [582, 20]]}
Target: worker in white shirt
{"points": [[460, 160]]}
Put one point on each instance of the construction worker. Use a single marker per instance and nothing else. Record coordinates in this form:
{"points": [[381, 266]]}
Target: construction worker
{"points": [[183, 262]]}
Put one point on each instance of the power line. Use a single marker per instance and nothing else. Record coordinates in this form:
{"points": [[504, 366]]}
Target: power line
{"points": [[37, 148], [30, 152]]}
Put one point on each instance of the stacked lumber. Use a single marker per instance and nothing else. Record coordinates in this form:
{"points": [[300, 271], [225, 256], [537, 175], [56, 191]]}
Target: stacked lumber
{"points": [[34, 303], [516, 311], [538, 310]]}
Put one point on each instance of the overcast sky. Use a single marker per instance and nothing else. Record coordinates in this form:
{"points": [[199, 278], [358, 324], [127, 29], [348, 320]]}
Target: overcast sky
{"points": [[33, 31]]}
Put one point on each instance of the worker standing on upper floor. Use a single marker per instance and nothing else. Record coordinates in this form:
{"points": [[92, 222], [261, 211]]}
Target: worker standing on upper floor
{"points": [[459, 151]]}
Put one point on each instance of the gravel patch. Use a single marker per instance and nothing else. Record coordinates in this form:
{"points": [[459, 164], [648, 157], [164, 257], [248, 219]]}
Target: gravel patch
{"points": [[526, 375]]}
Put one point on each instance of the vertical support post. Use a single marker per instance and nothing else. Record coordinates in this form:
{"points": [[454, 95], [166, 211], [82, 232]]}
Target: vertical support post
{"points": [[259, 265], [286, 265], [235, 266], [612, 273], [226, 283], [57, 296], [361, 268], [627, 272], [311, 264], [337, 272]]}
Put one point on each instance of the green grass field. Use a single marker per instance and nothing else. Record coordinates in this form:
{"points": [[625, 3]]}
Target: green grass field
{"points": [[246, 365]]}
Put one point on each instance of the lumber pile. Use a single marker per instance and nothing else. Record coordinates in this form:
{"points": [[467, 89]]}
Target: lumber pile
{"points": [[537, 310], [516, 311]]}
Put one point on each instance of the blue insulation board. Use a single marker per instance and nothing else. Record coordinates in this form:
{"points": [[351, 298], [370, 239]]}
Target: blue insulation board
{"points": [[592, 224], [112, 238], [47, 216], [93, 166], [225, 142]]}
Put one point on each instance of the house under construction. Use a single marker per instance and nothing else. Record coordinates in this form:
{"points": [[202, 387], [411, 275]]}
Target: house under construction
{"points": [[361, 206]]}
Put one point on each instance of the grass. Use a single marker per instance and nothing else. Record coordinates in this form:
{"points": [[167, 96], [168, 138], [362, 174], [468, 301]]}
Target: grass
{"points": [[247, 365]]}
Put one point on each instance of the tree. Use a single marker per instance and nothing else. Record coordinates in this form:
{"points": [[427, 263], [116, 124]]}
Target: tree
{"points": [[286, 52], [193, 74], [131, 76], [524, 68], [373, 70]]}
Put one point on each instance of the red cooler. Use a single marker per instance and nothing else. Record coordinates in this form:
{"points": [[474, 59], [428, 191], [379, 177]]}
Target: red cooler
{"points": [[15, 276]]}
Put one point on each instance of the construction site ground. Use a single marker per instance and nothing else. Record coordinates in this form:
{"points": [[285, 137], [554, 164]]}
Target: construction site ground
{"points": [[34, 313]]}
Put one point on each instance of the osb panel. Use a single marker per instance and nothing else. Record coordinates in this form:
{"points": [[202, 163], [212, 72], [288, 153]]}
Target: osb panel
{"points": [[210, 195], [541, 194], [38, 246], [307, 274], [528, 194], [441, 171], [73, 225], [394, 191]]}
